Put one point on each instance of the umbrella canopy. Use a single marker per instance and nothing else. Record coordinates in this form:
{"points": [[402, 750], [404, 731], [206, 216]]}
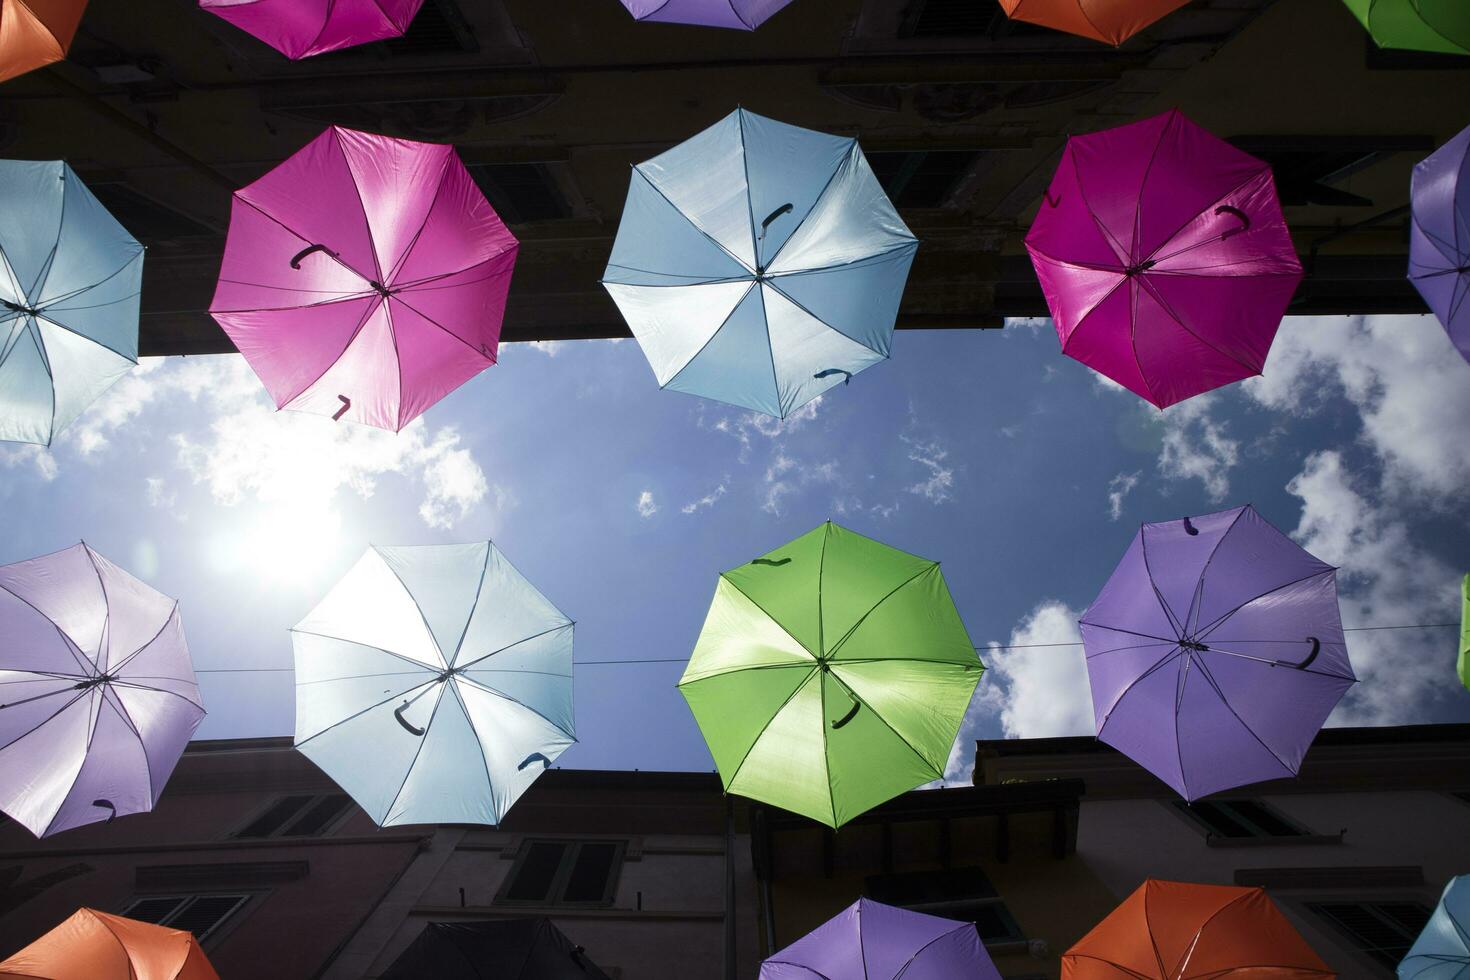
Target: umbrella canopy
{"points": [[742, 15], [1172, 930], [69, 283], [434, 684], [1418, 25], [1164, 257], [831, 674], [871, 941], [365, 278], [34, 33], [759, 264], [99, 694], [505, 949], [1215, 652], [1442, 951], [99, 946], [1439, 239], [300, 30], [1110, 21]]}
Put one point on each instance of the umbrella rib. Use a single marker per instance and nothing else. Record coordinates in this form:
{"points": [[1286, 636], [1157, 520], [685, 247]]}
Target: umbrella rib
{"points": [[920, 951], [121, 710], [827, 766], [1133, 256], [425, 284], [426, 668], [1196, 216], [1199, 932], [800, 306], [88, 669], [680, 212], [1161, 662], [816, 202], [43, 721], [899, 246], [358, 714], [345, 677], [524, 639], [1210, 679], [1277, 663], [800, 966], [475, 605], [693, 280], [1440, 245], [766, 727], [690, 681], [1136, 646], [239, 196], [1153, 943], [938, 771], [1173, 620], [398, 297], [428, 726], [755, 249], [417, 608], [1118, 250], [55, 301], [129, 658], [655, 10], [76, 777], [928, 567], [749, 26], [106, 602], [1119, 629], [1117, 966], [1164, 305], [428, 212], [501, 694], [773, 619], [39, 285], [1204, 570], [484, 759], [1204, 634]]}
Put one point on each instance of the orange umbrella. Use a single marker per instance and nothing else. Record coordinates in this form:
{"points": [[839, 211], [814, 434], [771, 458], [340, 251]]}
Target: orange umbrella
{"points": [[93, 945], [1171, 930], [35, 33], [1113, 21]]}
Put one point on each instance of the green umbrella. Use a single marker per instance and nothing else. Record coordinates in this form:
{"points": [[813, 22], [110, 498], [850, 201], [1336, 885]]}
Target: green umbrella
{"points": [[1417, 25], [1465, 634], [831, 674]]}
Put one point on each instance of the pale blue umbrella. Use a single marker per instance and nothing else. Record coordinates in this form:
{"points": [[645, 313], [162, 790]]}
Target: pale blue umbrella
{"points": [[434, 684], [69, 282], [759, 264], [1442, 951]]}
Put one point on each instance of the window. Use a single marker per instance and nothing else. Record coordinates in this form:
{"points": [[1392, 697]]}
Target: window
{"points": [[963, 893], [1383, 931], [438, 28], [144, 218], [521, 192], [297, 816], [960, 18], [200, 914], [923, 178], [1240, 819], [1308, 168], [551, 872]]}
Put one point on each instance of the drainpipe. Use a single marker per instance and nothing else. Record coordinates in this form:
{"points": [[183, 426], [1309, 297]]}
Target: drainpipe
{"points": [[729, 889]]}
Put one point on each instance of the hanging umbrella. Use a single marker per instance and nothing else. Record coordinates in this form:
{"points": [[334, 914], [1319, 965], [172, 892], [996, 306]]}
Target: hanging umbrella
{"points": [[1110, 21], [69, 282], [1418, 25], [1172, 930], [504, 949], [1164, 257], [1442, 951], [1464, 663], [98, 946], [759, 264], [871, 941], [99, 694], [831, 674], [1439, 239], [1215, 652], [300, 30], [34, 33], [434, 684], [743, 15], [365, 278]]}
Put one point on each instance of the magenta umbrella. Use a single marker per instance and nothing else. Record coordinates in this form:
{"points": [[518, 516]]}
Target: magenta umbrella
{"points": [[365, 278], [1164, 257], [302, 28], [742, 15]]}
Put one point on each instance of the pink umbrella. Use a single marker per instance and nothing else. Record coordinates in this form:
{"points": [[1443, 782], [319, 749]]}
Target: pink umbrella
{"points": [[365, 278], [302, 28], [1164, 257]]}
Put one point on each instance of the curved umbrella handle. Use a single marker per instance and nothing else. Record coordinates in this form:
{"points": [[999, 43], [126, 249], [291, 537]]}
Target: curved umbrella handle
{"points": [[1316, 649], [545, 762], [398, 713], [1245, 220], [766, 225], [1051, 201], [576, 955], [296, 259], [107, 805], [831, 371], [346, 404], [773, 562], [1190, 529]]}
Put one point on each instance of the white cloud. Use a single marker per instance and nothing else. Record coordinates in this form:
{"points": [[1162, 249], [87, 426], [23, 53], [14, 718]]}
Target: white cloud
{"points": [[37, 457], [550, 348], [743, 427], [645, 505], [705, 502], [1119, 487], [1196, 446], [940, 481], [453, 481], [159, 494], [785, 476]]}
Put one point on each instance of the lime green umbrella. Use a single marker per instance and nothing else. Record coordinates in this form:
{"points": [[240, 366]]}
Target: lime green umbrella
{"points": [[1416, 25], [831, 674], [1464, 664]]}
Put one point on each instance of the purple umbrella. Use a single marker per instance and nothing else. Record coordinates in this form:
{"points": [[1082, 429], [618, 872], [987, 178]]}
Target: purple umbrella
{"points": [[743, 15], [1164, 257], [869, 941], [98, 693], [1215, 652], [1439, 245]]}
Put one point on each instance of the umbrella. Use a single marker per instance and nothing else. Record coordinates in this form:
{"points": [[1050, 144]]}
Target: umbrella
{"points": [[300, 30], [1164, 257], [365, 278], [504, 949], [99, 946], [759, 264], [1215, 652], [1418, 25], [69, 282], [743, 15], [1464, 663], [1111, 21], [1173, 930], [871, 941], [831, 674], [34, 33], [1442, 951], [99, 694], [434, 684], [1439, 239]]}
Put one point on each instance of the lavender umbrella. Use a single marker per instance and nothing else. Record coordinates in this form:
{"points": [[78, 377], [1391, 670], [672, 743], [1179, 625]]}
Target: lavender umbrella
{"points": [[1215, 652], [97, 694], [1439, 244], [742, 15], [869, 941]]}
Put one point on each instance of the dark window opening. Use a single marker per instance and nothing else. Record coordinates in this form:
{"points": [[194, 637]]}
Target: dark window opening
{"points": [[1308, 168], [965, 894], [1383, 931], [297, 816], [961, 18], [146, 219], [1239, 819], [200, 914], [921, 178], [564, 873], [521, 192], [439, 28]]}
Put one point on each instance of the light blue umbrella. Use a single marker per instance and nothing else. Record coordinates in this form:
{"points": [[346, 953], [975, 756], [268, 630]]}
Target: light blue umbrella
{"points": [[69, 282], [759, 264], [434, 684], [1442, 951]]}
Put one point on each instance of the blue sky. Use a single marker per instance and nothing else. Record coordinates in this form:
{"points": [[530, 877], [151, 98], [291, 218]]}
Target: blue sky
{"points": [[1020, 470]]}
